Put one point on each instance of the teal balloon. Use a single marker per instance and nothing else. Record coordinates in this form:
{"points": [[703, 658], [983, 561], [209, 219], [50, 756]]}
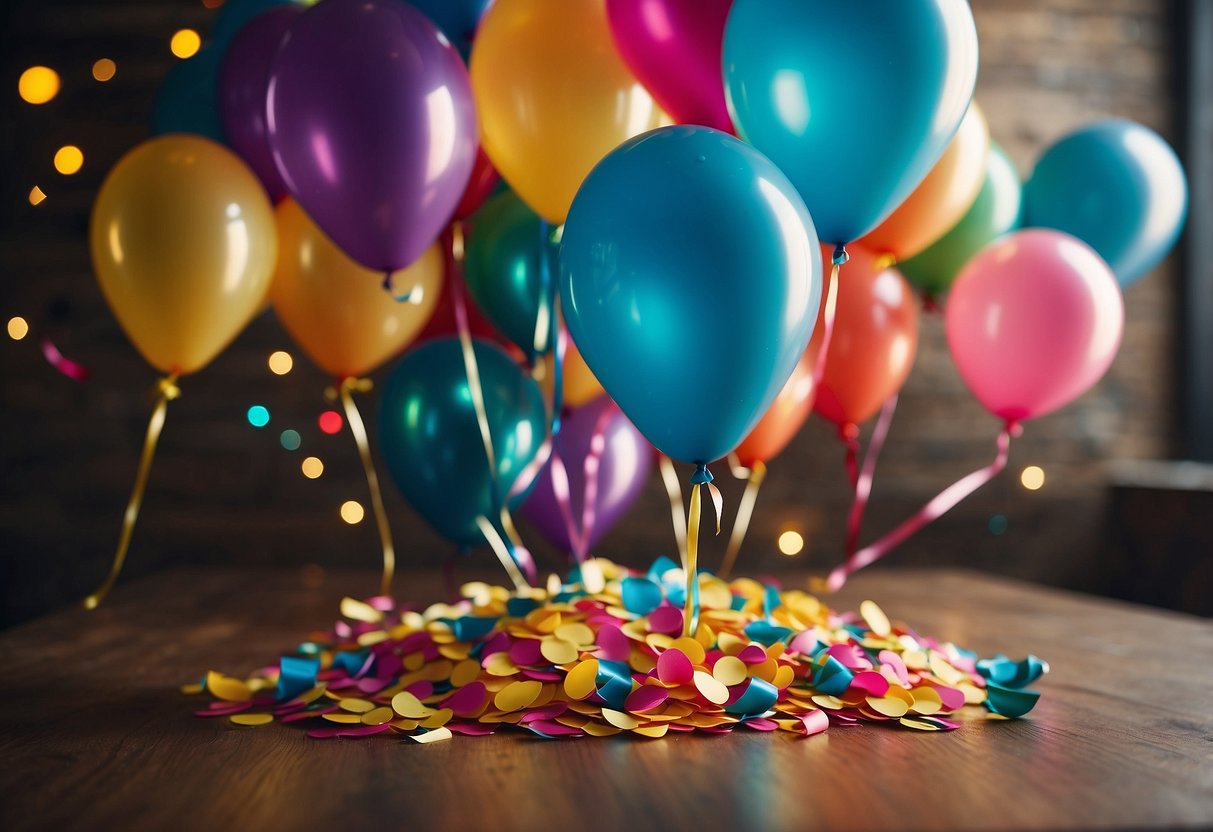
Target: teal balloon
{"points": [[457, 19], [430, 437], [510, 264], [855, 100], [690, 278], [232, 16], [996, 211], [1118, 187], [188, 98]]}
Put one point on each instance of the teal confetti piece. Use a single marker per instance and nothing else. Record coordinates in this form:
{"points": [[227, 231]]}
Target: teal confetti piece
{"points": [[759, 697], [614, 683], [832, 677], [471, 627], [771, 600], [1009, 702], [1011, 674], [295, 676], [767, 634], [661, 566], [519, 607], [738, 603], [640, 595], [350, 662]]}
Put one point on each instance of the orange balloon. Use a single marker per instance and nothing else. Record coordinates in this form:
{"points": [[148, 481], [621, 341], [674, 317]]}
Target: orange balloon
{"points": [[578, 385], [337, 310], [784, 417], [874, 340], [553, 96], [940, 200]]}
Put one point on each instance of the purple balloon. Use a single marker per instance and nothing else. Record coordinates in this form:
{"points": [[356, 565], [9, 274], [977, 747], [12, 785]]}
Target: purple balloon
{"points": [[244, 77], [372, 126], [627, 459], [674, 48]]}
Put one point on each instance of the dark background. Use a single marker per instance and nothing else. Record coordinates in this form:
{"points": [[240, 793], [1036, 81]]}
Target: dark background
{"points": [[224, 492]]}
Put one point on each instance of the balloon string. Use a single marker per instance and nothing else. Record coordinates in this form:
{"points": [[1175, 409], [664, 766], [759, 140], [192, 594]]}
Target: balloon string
{"points": [[520, 553], [561, 492], [72, 369], [674, 491], [828, 314], [591, 468], [544, 317], [935, 508], [358, 429], [503, 553], [863, 483], [167, 390], [849, 434], [745, 511], [690, 613]]}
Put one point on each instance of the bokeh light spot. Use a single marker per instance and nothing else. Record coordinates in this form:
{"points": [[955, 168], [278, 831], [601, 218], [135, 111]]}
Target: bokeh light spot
{"points": [[104, 70], [258, 416], [185, 43], [290, 439], [312, 467], [69, 159], [281, 363], [38, 85], [330, 422], [1032, 477], [352, 512], [791, 542], [18, 328]]}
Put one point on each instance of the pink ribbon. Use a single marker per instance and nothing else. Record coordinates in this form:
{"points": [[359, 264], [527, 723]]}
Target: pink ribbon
{"points": [[579, 538], [72, 369], [863, 481]]}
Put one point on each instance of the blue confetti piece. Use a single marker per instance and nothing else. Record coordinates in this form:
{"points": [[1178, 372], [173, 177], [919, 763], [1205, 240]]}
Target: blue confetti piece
{"points": [[771, 600], [738, 603], [295, 676], [833, 677], [519, 607], [1011, 674], [613, 682], [640, 595], [1010, 702], [309, 648], [471, 627], [759, 697], [661, 566], [350, 662], [767, 634]]}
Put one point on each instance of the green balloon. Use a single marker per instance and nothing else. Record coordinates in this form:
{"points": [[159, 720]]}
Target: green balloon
{"points": [[510, 268], [996, 211], [430, 435]]}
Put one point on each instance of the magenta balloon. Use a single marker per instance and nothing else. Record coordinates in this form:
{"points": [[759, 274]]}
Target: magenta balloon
{"points": [[673, 46], [372, 126], [244, 77], [1033, 321], [623, 470]]}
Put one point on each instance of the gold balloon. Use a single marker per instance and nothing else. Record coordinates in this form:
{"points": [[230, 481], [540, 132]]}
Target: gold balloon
{"points": [[337, 310], [553, 96], [183, 243], [578, 384]]}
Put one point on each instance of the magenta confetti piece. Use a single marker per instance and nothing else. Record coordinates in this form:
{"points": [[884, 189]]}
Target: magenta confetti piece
{"points": [[473, 729], [554, 729], [951, 698], [300, 715], [814, 722], [753, 654], [675, 668], [72, 369], [422, 689], [646, 698], [870, 682], [760, 723], [497, 643], [851, 656], [372, 684], [893, 661], [944, 724], [613, 644], [525, 651], [666, 619], [227, 709], [414, 642], [546, 712], [468, 700], [542, 675]]}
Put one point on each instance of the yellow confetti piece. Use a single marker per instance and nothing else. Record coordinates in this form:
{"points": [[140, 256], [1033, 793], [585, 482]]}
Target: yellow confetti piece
{"points": [[926, 700], [517, 695], [378, 716], [465, 673], [620, 719], [500, 664], [784, 676], [597, 729], [409, 706], [973, 694], [414, 661], [404, 724], [251, 720], [190, 689], [711, 689], [575, 633], [355, 705], [592, 577], [918, 724], [437, 735], [653, 731], [730, 670], [875, 618], [887, 705], [731, 644], [344, 719], [438, 718], [659, 641], [693, 649], [558, 651], [360, 611], [944, 671], [227, 688], [582, 679], [829, 703]]}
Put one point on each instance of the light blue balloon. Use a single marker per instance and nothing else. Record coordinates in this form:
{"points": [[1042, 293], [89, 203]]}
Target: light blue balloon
{"points": [[855, 100], [188, 98], [430, 437], [690, 277], [1118, 187]]}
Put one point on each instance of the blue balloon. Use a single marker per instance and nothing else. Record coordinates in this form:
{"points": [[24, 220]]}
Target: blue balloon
{"points": [[1118, 187], [430, 437], [457, 19], [690, 277], [232, 16], [855, 100], [188, 98]]}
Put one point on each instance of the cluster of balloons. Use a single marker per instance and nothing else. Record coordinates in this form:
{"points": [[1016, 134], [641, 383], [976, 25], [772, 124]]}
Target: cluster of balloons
{"points": [[674, 171]]}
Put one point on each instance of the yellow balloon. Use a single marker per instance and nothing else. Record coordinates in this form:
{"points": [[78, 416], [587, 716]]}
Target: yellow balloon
{"points": [[337, 310], [183, 244], [553, 96], [578, 385]]}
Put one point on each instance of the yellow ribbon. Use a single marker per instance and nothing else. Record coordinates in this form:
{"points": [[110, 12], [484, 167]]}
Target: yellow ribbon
{"points": [[358, 429], [690, 612], [167, 390], [503, 553], [745, 511]]}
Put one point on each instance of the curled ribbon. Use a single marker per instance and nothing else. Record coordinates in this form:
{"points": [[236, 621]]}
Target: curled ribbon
{"points": [[745, 511], [828, 314], [674, 491], [166, 390], [863, 480], [345, 391], [939, 505], [702, 477]]}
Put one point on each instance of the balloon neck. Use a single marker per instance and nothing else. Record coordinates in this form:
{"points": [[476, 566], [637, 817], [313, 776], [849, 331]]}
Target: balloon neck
{"points": [[1013, 428], [702, 475], [840, 257], [848, 432]]}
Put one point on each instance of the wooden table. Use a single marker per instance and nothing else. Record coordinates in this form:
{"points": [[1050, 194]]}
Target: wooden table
{"points": [[95, 735]]}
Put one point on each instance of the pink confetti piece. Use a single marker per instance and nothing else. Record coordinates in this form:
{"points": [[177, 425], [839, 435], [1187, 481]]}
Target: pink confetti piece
{"points": [[473, 729], [224, 708], [645, 698], [422, 689], [555, 729], [301, 715], [814, 722], [468, 700], [895, 663], [372, 684], [871, 683], [851, 656], [675, 668], [546, 712], [952, 699], [666, 619], [760, 723], [542, 675], [944, 724], [753, 654], [497, 643], [526, 651], [348, 731], [613, 644]]}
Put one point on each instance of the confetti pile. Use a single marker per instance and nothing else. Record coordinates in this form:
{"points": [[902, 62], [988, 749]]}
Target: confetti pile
{"points": [[604, 653]]}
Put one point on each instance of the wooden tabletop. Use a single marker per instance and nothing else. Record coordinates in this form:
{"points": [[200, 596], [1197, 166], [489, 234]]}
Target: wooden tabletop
{"points": [[94, 733]]}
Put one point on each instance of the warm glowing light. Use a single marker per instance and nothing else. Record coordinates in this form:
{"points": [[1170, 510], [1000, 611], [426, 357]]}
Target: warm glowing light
{"points": [[352, 512], [185, 43], [36, 195], [281, 363], [312, 467], [17, 328], [38, 84], [791, 543], [258, 416], [330, 422], [69, 159], [104, 69], [1032, 478], [290, 440]]}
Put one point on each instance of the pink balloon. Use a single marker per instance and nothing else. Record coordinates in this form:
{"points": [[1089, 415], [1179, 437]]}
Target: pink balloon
{"points": [[1033, 321], [673, 46]]}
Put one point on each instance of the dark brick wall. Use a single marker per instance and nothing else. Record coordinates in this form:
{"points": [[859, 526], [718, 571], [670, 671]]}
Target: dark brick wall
{"points": [[223, 492]]}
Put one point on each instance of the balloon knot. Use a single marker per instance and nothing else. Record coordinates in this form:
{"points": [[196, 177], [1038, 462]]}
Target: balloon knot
{"points": [[168, 388], [1014, 428], [702, 475], [848, 431], [840, 257]]}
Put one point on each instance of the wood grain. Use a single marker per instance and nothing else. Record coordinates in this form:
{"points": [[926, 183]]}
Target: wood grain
{"points": [[95, 735]]}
